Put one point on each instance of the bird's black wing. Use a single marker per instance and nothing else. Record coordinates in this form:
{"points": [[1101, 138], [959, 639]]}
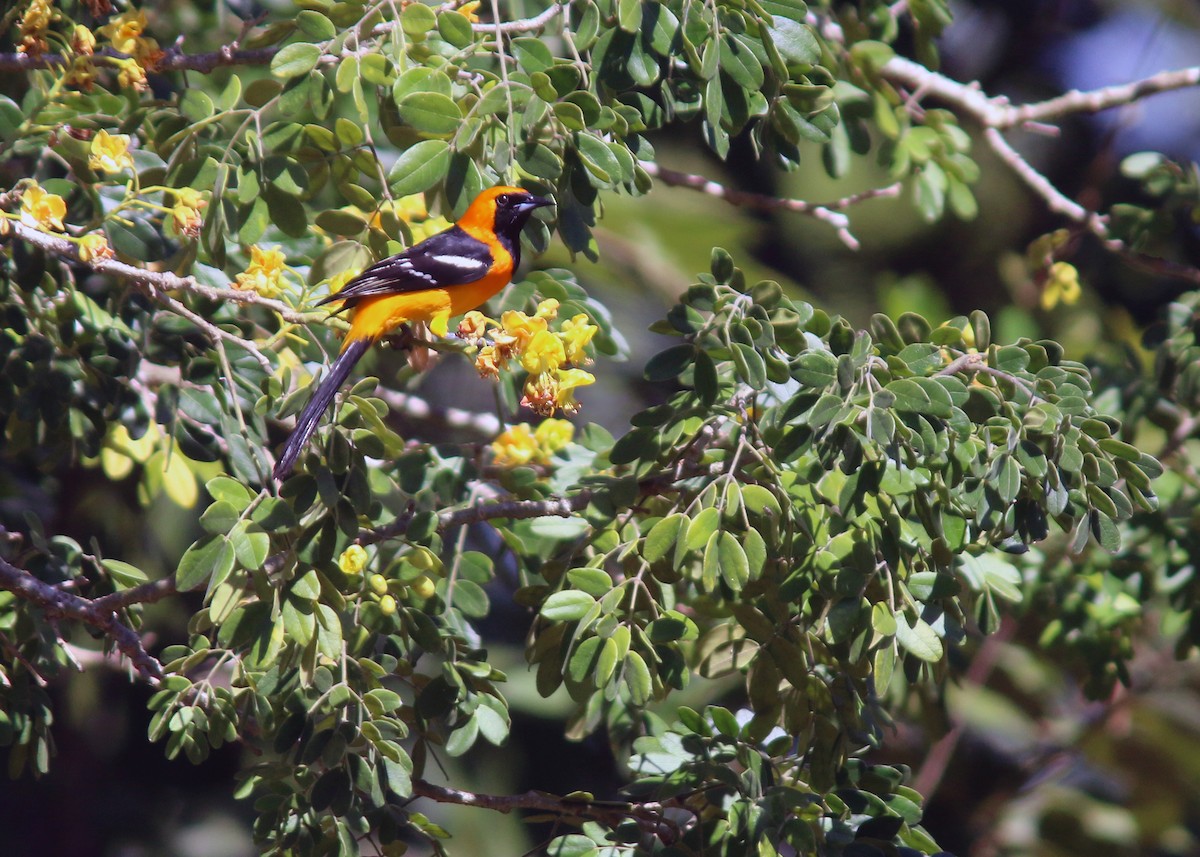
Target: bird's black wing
{"points": [[450, 258]]}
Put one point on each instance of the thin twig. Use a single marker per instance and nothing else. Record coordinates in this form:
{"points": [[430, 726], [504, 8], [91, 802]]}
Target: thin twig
{"points": [[649, 815], [99, 613], [159, 279], [995, 115], [828, 212], [997, 112], [561, 507]]}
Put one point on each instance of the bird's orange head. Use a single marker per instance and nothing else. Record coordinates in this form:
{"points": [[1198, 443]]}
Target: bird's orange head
{"points": [[502, 210]]}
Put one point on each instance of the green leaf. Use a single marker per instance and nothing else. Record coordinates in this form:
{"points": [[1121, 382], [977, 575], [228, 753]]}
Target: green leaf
{"points": [[430, 112], [756, 552], [567, 605], [11, 117], [759, 500], [250, 544], [308, 586], [210, 557], [739, 62], [662, 537], [919, 639], [735, 569], [750, 366], [124, 574], [629, 15], [796, 41], [228, 490], [909, 396], [315, 25], [816, 369], [702, 528], [599, 161], [638, 679], [295, 60], [419, 167], [195, 104], [417, 19], [532, 54], [594, 581], [455, 28], [670, 363]]}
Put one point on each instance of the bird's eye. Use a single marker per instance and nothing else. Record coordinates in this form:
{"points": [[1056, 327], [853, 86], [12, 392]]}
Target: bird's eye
{"points": [[504, 199]]}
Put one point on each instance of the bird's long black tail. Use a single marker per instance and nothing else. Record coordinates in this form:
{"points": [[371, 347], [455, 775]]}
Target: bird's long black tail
{"points": [[307, 422]]}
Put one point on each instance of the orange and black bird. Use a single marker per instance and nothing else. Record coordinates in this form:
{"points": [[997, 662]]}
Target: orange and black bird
{"points": [[445, 275]]}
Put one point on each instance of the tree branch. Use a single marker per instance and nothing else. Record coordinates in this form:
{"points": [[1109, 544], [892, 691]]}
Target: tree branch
{"points": [[829, 212], [995, 114], [159, 281], [650, 816], [562, 507], [99, 613], [175, 59]]}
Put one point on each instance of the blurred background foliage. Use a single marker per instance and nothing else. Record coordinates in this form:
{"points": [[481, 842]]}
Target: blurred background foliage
{"points": [[1021, 758]]}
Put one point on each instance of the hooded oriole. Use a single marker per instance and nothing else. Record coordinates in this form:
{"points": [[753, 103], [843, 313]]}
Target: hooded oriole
{"points": [[445, 275]]}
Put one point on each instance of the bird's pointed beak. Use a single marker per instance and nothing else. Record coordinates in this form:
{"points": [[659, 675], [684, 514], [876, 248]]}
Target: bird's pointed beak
{"points": [[535, 202]]}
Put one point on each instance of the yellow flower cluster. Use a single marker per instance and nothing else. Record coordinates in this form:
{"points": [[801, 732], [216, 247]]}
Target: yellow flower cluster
{"points": [[1062, 285], [110, 152], [41, 209], [519, 445], [264, 274], [94, 246], [549, 356], [33, 26], [1059, 280], [185, 213], [125, 34]]}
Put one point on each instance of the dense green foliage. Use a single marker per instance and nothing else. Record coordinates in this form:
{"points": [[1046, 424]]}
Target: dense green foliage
{"points": [[742, 590]]}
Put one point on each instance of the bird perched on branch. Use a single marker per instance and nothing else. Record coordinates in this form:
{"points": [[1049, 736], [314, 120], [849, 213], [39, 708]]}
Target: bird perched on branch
{"points": [[445, 275]]}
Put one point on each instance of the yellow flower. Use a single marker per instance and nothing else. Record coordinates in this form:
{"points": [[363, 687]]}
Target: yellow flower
{"points": [[110, 152], [353, 560], [264, 274], [553, 435], [576, 333], [567, 382], [34, 24], [42, 210], [473, 326], [94, 246], [515, 446], [488, 362], [471, 10], [186, 211], [517, 329], [541, 394], [83, 42], [131, 75], [124, 33], [1062, 284], [544, 353], [547, 309]]}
